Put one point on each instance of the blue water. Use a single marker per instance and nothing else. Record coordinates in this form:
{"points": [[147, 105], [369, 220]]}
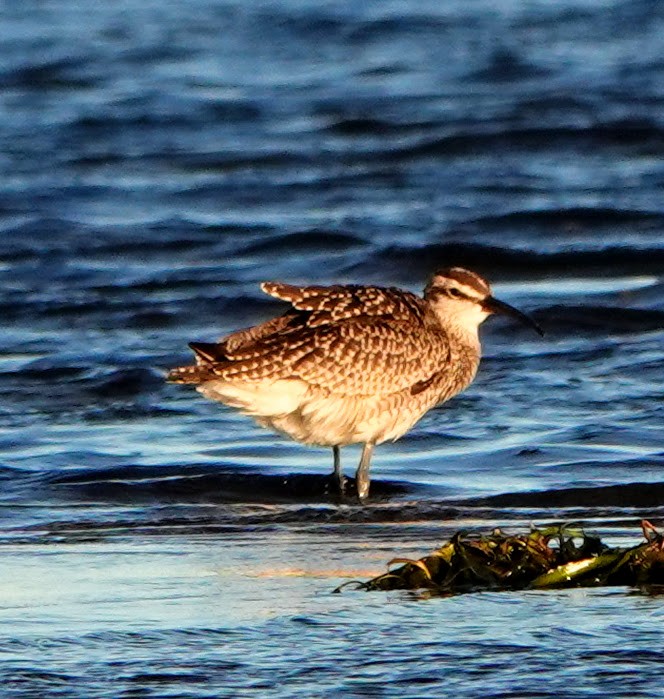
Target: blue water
{"points": [[159, 160]]}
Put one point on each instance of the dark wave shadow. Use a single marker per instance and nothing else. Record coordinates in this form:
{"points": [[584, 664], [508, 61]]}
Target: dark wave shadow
{"points": [[202, 484], [128, 501], [591, 318], [623, 495], [195, 484], [504, 262]]}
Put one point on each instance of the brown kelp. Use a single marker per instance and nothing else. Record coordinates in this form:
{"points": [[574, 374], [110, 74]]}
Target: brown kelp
{"points": [[554, 557]]}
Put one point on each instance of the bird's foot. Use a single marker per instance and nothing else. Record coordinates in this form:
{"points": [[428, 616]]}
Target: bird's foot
{"points": [[337, 486], [362, 486]]}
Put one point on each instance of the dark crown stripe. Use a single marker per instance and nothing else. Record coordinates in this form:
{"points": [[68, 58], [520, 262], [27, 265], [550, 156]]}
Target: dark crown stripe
{"points": [[464, 276]]}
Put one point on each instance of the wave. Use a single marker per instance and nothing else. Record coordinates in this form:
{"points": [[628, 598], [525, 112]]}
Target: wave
{"points": [[638, 496], [203, 484], [591, 318], [504, 262], [127, 508], [572, 217], [642, 134], [305, 241], [58, 74], [197, 483], [42, 237]]}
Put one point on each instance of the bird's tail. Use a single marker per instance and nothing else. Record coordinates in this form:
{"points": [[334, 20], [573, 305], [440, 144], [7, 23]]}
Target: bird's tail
{"points": [[188, 374]]}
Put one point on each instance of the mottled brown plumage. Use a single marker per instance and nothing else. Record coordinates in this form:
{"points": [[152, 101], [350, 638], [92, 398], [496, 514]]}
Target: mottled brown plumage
{"points": [[349, 364]]}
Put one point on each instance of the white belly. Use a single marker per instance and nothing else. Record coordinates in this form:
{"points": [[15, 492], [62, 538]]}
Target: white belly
{"points": [[309, 415]]}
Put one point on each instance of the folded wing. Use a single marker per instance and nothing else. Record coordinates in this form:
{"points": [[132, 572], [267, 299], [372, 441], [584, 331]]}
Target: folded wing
{"points": [[353, 340]]}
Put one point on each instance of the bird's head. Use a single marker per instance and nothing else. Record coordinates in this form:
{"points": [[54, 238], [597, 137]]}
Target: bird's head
{"points": [[461, 297]]}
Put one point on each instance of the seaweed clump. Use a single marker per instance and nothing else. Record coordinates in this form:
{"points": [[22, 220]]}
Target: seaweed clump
{"points": [[555, 557]]}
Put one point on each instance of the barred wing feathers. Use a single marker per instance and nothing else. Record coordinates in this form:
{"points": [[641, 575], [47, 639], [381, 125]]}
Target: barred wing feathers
{"points": [[353, 340]]}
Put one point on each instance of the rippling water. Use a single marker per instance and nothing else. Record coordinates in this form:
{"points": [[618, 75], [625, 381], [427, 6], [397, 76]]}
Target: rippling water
{"points": [[159, 160]]}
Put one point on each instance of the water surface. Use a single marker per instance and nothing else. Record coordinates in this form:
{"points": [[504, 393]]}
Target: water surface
{"points": [[161, 159]]}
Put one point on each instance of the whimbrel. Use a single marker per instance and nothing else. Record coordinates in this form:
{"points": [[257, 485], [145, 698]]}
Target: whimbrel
{"points": [[351, 364]]}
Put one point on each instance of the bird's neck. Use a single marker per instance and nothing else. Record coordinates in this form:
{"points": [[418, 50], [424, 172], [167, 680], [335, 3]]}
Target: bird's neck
{"points": [[465, 339], [461, 327]]}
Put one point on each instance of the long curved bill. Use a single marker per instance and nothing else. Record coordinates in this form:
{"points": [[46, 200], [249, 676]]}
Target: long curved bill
{"points": [[493, 305]]}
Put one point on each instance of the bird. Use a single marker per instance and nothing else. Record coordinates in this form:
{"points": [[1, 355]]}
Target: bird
{"points": [[351, 364]]}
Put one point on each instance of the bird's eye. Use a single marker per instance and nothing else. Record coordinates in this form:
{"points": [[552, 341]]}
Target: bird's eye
{"points": [[455, 293]]}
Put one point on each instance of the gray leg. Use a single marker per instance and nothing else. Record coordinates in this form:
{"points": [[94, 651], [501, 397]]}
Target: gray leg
{"points": [[338, 474], [362, 476]]}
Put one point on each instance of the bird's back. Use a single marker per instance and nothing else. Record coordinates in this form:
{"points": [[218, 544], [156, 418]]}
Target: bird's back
{"points": [[352, 340]]}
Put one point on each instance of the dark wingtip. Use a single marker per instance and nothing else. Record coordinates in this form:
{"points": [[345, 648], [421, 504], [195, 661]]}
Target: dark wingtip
{"points": [[184, 374], [208, 351]]}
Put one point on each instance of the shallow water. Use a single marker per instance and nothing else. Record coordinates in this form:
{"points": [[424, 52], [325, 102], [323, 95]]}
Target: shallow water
{"points": [[161, 162]]}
